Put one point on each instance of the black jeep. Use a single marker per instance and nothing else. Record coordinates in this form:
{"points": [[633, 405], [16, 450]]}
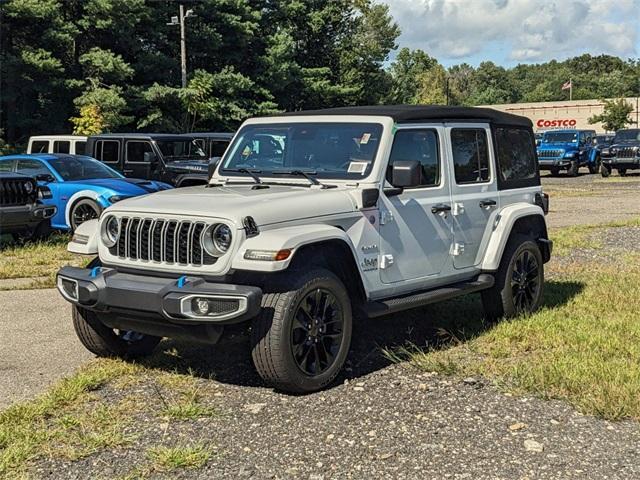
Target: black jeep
{"points": [[21, 212], [179, 160], [623, 154]]}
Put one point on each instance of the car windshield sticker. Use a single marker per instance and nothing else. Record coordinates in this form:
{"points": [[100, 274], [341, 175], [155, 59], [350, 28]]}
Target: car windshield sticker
{"points": [[365, 138], [358, 167]]}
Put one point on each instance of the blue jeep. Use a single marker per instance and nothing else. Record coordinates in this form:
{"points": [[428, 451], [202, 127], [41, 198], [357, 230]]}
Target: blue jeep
{"points": [[568, 150]]}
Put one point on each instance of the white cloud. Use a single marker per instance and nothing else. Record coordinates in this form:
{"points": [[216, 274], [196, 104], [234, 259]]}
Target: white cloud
{"points": [[519, 30]]}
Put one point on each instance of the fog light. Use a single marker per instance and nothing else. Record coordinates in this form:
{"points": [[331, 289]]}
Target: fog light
{"points": [[200, 306], [68, 288], [268, 255]]}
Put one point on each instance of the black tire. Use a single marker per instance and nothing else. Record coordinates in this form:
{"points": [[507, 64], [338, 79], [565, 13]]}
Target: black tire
{"points": [[555, 171], [83, 210], [278, 333], [106, 342], [574, 168], [505, 301], [605, 171], [622, 172]]}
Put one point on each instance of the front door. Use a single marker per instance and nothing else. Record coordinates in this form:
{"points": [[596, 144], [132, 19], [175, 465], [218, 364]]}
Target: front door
{"points": [[138, 159], [473, 190], [415, 226]]}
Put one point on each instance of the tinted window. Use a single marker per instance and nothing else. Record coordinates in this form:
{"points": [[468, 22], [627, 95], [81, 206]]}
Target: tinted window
{"points": [[61, 146], [40, 146], [420, 145], [218, 147], [6, 166], [470, 155], [31, 167], [136, 151], [81, 148], [516, 154], [82, 168], [107, 151]]}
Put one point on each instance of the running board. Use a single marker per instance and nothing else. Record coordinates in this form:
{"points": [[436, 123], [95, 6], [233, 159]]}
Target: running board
{"points": [[397, 304]]}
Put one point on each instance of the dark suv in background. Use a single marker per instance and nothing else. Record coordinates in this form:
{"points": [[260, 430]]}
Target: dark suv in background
{"points": [[179, 160], [22, 214], [623, 154]]}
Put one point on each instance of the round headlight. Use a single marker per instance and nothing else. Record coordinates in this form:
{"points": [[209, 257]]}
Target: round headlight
{"points": [[216, 239], [28, 187], [110, 231]]}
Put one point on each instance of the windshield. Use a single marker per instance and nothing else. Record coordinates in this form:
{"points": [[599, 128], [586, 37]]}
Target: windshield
{"points": [[82, 168], [329, 150], [627, 136], [560, 137], [173, 150]]}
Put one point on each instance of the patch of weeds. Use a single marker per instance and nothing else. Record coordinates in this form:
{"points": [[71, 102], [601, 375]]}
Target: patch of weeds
{"points": [[165, 458], [188, 407]]}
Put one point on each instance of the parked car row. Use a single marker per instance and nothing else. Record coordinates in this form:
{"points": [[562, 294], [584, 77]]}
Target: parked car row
{"points": [[571, 149]]}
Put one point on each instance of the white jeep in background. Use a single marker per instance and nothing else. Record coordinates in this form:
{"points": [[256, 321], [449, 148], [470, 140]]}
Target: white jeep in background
{"points": [[310, 219]]}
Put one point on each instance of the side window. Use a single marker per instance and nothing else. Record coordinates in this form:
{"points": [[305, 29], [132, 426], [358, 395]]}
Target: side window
{"points": [[61, 146], [420, 145], [30, 167], [40, 146], [6, 166], [470, 155], [218, 148], [81, 147], [136, 151], [516, 155], [107, 151]]}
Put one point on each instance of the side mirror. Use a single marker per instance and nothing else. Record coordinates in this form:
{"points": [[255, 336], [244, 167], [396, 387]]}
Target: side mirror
{"points": [[150, 157], [45, 177], [406, 173], [213, 163]]}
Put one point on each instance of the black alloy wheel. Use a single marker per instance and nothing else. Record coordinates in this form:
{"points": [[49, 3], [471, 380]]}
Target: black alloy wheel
{"points": [[525, 282], [316, 333], [82, 211]]}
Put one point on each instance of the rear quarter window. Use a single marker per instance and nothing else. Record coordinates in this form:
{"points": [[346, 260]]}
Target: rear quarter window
{"points": [[40, 146], [516, 157]]}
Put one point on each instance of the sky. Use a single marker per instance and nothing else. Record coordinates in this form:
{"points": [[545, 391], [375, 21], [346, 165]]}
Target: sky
{"points": [[509, 32]]}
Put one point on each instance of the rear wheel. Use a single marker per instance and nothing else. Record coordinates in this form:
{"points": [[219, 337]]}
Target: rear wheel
{"points": [[301, 338], [622, 172], [108, 342], [518, 282], [605, 171], [83, 210]]}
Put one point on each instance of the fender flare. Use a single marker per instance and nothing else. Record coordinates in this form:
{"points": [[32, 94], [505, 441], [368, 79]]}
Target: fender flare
{"points": [[292, 238], [85, 238], [503, 225], [82, 194], [184, 177]]}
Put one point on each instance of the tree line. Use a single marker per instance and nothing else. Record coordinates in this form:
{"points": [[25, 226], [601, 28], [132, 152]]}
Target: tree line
{"points": [[114, 65]]}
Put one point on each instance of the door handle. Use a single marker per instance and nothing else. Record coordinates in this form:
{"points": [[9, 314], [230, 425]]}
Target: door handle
{"points": [[440, 208], [487, 203]]}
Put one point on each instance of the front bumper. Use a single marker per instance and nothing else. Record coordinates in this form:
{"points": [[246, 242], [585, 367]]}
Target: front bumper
{"points": [[164, 300], [24, 217], [615, 162], [548, 164]]}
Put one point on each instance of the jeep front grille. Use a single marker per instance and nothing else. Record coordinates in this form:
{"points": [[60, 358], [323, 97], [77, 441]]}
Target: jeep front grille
{"points": [[626, 152], [13, 191], [163, 241], [550, 153]]}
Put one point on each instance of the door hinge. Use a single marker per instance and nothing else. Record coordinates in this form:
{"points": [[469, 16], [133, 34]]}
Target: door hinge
{"points": [[385, 217], [386, 261], [458, 249]]}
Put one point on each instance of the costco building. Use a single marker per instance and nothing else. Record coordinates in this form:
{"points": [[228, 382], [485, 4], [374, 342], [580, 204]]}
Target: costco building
{"points": [[564, 113]]}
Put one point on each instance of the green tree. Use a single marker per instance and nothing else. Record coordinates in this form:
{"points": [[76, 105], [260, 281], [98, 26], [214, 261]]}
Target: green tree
{"points": [[405, 70], [616, 115], [432, 86], [89, 122]]}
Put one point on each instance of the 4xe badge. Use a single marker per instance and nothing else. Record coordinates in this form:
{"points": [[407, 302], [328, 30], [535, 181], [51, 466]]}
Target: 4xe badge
{"points": [[369, 263]]}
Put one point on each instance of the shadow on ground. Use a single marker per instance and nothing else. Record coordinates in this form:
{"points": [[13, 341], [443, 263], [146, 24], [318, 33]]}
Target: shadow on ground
{"points": [[433, 326]]}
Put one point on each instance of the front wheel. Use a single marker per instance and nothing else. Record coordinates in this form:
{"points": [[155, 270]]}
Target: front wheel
{"points": [[107, 342], [574, 168], [83, 210], [622, 172], [595, 166], [301, 338], [555, 171], [518, 282], [605, 171]]}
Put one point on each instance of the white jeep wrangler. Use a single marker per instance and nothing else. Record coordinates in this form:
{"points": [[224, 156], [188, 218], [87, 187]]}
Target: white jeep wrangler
{"points": [[310, 219]]}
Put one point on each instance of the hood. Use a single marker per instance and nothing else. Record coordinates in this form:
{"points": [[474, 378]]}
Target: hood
{"points": [[123, 186], [278, 203], [558, 146], [189, 165]]}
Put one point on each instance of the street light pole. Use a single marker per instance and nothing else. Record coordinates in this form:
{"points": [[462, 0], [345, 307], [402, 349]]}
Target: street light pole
{"points": [[180, 20]]}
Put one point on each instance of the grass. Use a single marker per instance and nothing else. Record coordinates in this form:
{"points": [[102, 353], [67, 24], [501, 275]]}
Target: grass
{"points": [[183, 456], [38, 261], [582, 347], [582, 236]]}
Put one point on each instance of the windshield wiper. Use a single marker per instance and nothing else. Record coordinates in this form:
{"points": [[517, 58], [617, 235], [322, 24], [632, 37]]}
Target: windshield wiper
{"points": [[251, 173], [301, 173]]}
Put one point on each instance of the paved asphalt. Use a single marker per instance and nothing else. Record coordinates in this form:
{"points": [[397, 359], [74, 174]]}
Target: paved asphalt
{"points": [[37, 343]]}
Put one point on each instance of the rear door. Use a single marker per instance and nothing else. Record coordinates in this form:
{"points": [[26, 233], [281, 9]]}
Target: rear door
{"points": [[474, 191], [136, 163]]}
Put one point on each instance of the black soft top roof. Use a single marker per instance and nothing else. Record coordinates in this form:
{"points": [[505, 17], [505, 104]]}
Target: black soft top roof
{"points": [[419, 113]]}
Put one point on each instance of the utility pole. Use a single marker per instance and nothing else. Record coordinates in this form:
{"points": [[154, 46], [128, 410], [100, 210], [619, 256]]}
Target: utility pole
{"points": [[180, 20]]}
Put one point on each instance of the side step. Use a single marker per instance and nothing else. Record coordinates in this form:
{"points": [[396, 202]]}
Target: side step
{"points": [[378, 308]]}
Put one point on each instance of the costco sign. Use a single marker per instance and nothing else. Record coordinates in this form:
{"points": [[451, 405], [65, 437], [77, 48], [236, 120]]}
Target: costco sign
{"points": [[569, 122]]}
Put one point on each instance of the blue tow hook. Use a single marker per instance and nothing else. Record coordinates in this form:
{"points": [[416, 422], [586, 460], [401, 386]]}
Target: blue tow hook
{"points": [[95, 271], [182, 281]]}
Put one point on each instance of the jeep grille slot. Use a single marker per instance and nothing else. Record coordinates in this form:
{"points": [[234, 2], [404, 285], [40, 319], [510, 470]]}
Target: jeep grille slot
{"points": [[13, 191], [626, 152], [550, 153], [162, 241]]}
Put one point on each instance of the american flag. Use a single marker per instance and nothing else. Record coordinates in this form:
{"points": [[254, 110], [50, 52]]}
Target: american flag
{"points": [[566, 85]]}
